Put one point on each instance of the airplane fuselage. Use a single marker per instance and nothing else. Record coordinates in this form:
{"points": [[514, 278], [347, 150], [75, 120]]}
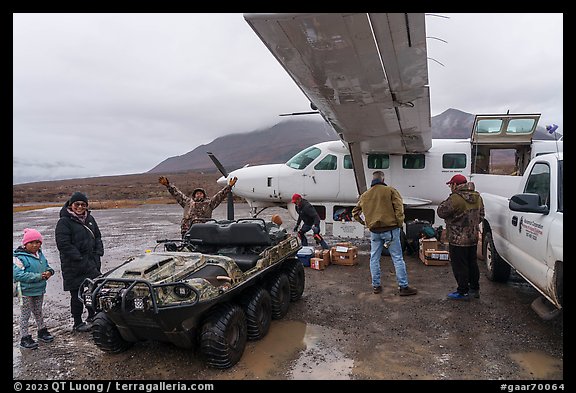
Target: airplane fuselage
{"points": [[323, 175]]}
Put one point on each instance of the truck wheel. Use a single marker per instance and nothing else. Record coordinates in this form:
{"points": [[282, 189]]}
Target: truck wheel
{"points": [[223, 336], [496, 268], [106, 335], [295, 273], [279, 288], [257, 306]]}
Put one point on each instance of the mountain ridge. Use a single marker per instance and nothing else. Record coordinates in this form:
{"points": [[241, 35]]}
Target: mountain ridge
{"points": [[277, 144], [271, 145]]}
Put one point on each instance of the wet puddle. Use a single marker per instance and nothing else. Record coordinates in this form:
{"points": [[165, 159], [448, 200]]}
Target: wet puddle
{"points": [[538, 364], [312, 349]]}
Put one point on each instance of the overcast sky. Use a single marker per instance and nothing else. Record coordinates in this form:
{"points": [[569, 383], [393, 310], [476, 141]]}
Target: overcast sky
{"points": [[112, 94]]}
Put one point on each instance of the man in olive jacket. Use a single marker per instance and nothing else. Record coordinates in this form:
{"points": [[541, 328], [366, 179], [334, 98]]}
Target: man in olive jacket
{"points": [[80, 244], [463, 211], [383, 211]]}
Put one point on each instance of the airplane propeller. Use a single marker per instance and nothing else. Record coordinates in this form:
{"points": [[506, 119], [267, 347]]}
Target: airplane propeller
{"points": [[313, 112], [298, 113], [224, 173]]}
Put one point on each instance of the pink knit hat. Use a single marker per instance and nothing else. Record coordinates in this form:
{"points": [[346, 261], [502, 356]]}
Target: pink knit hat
{"points": [[30, 235]]}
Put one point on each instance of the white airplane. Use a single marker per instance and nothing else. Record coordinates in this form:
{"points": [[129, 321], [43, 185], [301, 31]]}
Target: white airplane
{"points": [[367, 76]]}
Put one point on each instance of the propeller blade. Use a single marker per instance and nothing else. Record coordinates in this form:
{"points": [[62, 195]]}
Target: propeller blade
{"points": [[230, 206], [298, 113], [218, 164], [230, 210]]}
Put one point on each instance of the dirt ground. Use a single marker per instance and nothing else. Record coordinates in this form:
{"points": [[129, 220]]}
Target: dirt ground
{"points": [[338, 330]]}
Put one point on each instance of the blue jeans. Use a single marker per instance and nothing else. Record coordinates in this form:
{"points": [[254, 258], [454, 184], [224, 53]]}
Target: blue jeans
{"points": [[376, 243], [316, 230]]}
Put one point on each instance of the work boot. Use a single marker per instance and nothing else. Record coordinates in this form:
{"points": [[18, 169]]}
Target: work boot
{"points": [[28, 342], [45, 336], [407, 291], [377, 289], [82, 327]]}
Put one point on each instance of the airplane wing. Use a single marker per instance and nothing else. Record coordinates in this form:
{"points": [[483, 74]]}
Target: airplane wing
{"points": [[366, 73]]}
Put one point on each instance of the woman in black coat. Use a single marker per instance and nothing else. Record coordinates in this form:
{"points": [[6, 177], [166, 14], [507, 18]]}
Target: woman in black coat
{"points": [[80, 244]]}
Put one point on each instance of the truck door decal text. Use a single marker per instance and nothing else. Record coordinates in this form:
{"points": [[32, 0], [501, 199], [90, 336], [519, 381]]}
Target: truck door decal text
{"points": [[532, 229]]}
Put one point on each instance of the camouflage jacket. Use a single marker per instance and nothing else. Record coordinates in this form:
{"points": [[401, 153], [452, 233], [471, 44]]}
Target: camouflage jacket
{"points": [[196, 211], [463, 212]]}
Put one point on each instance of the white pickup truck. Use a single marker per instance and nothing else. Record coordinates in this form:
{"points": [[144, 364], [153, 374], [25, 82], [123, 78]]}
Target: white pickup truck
{"points": [[525, 232]]}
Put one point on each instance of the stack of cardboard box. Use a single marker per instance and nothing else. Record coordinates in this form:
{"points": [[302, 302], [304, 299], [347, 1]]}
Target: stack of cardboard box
{"points": [[431, 253], [321, 260], [344, 254]]}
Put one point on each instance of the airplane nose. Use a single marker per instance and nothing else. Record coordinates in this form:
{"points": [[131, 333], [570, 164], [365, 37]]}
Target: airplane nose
{"points": [[222, 181]]}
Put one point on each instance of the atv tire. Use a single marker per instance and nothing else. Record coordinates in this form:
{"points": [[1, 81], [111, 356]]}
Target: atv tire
{"points": [[223, 335], [296, 277], [257, 306], [106, 336], [279, 288]]}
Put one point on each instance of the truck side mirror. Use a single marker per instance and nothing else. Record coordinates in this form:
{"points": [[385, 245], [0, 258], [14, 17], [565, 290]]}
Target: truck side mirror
{"points": [[527, 203]]}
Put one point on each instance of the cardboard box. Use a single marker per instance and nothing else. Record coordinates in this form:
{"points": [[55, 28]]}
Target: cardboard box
{"points": [[432, 256], [429, 244], [317, 264], [323, 254], [344, 255], [344, 244]]}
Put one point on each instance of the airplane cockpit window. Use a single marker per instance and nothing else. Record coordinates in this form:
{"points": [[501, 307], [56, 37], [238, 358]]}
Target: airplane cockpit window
{"points": [[378, 161], [489, 126], [520, 126], [413, 161], [304, 158], [348, 162], [539, 182], [328, 163], [454, 161]]}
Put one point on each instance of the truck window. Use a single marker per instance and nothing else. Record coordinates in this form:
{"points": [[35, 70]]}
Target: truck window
{"points": [[539, 182], [561, 186]]}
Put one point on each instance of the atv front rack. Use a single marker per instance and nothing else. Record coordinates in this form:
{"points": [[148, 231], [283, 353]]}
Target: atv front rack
{"points": [[128, 294]]}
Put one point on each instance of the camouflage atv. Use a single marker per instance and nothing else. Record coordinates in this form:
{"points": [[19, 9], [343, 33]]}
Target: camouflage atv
{"points": [[218, 287]]}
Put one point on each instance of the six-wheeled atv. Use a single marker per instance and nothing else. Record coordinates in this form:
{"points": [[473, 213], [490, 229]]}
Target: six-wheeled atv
{"points": [[218, 287]]}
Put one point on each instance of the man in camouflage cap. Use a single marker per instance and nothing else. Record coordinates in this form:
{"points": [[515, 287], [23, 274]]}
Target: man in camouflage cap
{"points": [[463, 211], [199, 207]]}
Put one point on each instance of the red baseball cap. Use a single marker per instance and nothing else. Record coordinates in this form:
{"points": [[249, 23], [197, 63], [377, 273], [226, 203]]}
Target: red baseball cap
{"points": [[457, 179], [295, 197]]}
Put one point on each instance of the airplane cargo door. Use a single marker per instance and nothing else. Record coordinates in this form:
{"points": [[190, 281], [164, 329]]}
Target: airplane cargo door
{"points": [[322, 180]]}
